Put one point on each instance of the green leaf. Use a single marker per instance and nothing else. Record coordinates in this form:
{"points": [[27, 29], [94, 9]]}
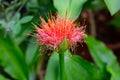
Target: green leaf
{"points": [[62, 6], [75, 8], [76, 68], [80, 69], [16, 17], [25, 30], [26, 19], [32, 52], [2, 23], [99, 52], [69, 8], [3, 78], [103, 57], [10, 24], [114, 70], [32, 74], [32, 55], [16, 28], [52, 72], [113, 6], [11, 58]]}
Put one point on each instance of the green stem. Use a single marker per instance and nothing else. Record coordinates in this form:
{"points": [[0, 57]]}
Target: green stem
{"points": [[61, 61]]}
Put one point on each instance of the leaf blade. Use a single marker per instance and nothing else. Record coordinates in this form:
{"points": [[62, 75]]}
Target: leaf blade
{"points": [[69, 8], [75, 68], [113, 6], [103, 57], [26, 19], [14, 58]]}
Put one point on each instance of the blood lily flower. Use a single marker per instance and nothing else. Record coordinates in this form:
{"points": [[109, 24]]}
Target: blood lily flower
{"points": [[55, 30]]}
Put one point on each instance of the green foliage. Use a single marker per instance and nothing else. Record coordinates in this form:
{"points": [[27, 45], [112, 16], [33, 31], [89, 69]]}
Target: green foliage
{"points": [[32, 53], [75, 68], [13, 58], [31, 56], [69, 8], [16, 28], [3, 78], [104, 57], [52, 72], [26, 19], [19, 54], [113, 6]]}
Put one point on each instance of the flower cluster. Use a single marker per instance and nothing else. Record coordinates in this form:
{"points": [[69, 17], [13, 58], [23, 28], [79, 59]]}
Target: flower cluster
{"points": [[55, 30]]}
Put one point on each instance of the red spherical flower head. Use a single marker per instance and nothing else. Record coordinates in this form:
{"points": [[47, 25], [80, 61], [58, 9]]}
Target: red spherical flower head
{"points": [[53, 32]]}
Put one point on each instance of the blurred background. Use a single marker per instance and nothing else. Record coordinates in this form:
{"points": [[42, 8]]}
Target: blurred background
{"points": [[18, 47]]}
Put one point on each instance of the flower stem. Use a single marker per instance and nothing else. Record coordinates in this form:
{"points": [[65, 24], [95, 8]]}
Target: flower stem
{"points": [[61, 61]]}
